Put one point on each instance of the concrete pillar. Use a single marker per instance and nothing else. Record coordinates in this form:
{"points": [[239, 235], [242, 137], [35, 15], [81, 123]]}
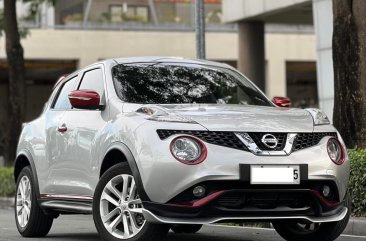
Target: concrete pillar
{"points": [[251, 51], [323, 25]]}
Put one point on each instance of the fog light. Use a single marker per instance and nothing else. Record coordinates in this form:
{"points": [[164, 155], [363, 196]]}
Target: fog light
{"points": [[326, 191], [199, 191]]}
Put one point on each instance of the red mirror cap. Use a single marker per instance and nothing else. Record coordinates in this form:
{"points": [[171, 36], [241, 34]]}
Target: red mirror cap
{"points": [[84, 99], [282, 101]]}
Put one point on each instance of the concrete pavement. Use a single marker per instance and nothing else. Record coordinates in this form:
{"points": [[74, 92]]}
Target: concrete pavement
{"points": [[81, 228]]}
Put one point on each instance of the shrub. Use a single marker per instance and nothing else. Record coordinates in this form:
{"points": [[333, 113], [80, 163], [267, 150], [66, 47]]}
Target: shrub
{"points": [[7, 185], [358, 181]]}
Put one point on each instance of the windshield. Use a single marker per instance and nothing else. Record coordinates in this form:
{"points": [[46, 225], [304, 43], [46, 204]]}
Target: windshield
{"points": [[161, 83]]}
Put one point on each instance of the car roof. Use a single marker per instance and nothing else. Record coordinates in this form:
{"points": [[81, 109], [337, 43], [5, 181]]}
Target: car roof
{"points": [[167, 59]]}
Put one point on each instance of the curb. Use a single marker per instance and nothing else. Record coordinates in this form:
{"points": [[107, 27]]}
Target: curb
{"points": [[356, 226], [7, 202]]}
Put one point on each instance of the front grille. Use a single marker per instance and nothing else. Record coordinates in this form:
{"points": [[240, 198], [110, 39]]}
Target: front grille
{"points": [[257, 138], [305, 140], [229, 139], [221, 138], [240, 191]]}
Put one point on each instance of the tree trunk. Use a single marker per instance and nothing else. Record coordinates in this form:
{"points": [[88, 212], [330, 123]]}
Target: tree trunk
{"points": [[349, 58], [16, 91]]}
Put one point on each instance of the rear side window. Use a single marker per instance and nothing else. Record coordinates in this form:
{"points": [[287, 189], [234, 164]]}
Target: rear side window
{"points": [[93, 80], [62, 102]]}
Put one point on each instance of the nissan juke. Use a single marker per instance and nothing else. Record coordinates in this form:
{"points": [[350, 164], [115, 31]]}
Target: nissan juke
{"points": [[150, 144]]}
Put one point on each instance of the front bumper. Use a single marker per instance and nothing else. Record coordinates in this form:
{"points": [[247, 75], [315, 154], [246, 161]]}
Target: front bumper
{"points": [[248, 205], [163, 177], [153, 218]]}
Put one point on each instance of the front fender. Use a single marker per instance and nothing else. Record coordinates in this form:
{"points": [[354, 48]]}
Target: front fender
{"points": [[23, 159], [133, 165]]}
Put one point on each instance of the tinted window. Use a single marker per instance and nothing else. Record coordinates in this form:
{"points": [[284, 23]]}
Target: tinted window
{"points": [[62, 101], [93, 80], [170, 84]]}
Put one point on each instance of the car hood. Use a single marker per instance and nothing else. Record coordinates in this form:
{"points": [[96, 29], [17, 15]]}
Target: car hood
{"points": [[244, 118]]}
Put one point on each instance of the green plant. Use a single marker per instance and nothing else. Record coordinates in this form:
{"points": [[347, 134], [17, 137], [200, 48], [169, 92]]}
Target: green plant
{"points": [[358, 181], [7, 185], [106, 17]]}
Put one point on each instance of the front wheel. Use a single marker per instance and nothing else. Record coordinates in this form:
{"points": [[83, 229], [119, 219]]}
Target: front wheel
{"points": [[117, 208], [305, 231], [29, 217]]}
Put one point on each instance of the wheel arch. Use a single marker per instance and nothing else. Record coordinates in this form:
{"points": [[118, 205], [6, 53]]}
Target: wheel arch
{"points": [[24, 159], [118, 152]]}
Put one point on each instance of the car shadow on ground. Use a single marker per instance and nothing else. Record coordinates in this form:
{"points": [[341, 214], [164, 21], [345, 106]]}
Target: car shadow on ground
{"points": [[74, 236], [170, 237], [201, 237]]}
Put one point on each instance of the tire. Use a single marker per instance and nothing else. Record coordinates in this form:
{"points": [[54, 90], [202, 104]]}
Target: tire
{"points": [[111, 185], [322, 232], [186, 228], [31, 221]]}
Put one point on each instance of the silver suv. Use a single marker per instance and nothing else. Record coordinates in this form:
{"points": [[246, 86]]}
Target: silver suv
{"points": [[156, 143]]}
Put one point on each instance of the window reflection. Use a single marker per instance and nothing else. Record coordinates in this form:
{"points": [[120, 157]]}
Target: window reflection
{"points": [[171, 84]]}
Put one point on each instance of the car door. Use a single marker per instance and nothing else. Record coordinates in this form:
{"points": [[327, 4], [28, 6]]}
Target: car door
{"points": [[54, 136], [79, 171]]}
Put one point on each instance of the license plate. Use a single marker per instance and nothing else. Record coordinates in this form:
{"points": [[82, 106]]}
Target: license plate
{"points": [[274, 174]]}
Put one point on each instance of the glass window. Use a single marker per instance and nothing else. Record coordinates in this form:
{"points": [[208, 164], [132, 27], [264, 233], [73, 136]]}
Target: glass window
{"points": [[116, 13], [93, 80], [158, 83], [301, 87], [143, 13], [62, 101], [136, 14]]}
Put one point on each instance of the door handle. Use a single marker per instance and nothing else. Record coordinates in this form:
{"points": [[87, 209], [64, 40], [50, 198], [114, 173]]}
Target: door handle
{"points": [[62, 128]]}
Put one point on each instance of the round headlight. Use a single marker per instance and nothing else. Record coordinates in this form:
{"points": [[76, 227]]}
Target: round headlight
{"points": [[188, 150], [335, 151]]}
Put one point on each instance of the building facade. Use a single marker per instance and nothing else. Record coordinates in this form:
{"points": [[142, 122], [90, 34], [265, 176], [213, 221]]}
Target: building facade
{"points": [[251, 15], [75, 33]]}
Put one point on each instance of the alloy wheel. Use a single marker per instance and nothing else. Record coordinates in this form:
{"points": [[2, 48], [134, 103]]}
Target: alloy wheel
{"points": [[23, 201], [121, 207]]}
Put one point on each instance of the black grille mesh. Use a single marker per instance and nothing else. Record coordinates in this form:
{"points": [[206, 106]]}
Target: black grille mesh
{"points": [[305, 140], [257, 138], [221, 138], [228, 139], [265, 200], [233, 199]]}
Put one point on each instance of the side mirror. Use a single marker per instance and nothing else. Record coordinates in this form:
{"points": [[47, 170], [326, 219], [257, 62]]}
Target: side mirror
{"points": [[282, 101], [85, 99]]}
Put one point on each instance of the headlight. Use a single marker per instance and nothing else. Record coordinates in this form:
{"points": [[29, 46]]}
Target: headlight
{"points": [[188, 150], [171, 118], [319, 116], [335, 151], [155, 113]]}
